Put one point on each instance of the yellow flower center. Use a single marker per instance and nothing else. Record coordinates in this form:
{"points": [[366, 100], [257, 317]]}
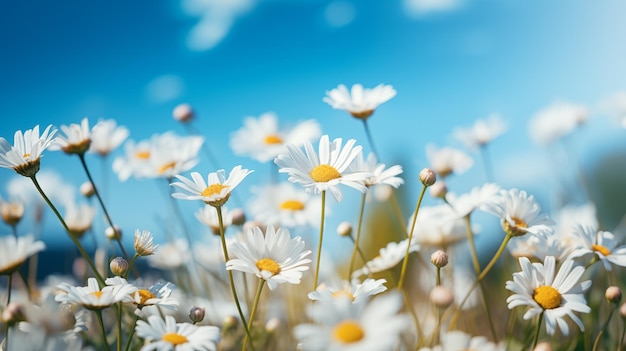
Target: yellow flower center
{"points": [[515, 229], [144, 295], [96, 293], [361, 114], [547, 297], [273, 139], [344, 292], [292, 205], [268, 264], [165, 167], [213, 189], [144, 155], [324, 173], [348, 332], [26, 156], [601, 249], [174, 338]]}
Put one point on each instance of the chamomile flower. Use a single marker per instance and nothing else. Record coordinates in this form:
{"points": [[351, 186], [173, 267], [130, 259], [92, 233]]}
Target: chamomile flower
{"points": [[107, 137], [379, 175], [359, 102], [555, 121], [275, 256], [79, 218], [171, 255], [602, 244], [448, 160], [519, 213], [168, 335], [11, 211], [76, 138], [481, 133], [215, 191], [158, 294], [554, 294], [388, 257], [24, 157], [284, 205], [143, 243], [14, 251], [263, 140], [438, 226], [355, 291], [340, 325], [92, 297], [207, 215], [53, 319], [326, 171], [465, 204]]}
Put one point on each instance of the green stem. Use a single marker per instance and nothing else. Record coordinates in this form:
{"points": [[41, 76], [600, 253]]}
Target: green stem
{"points": [[621, 339], [69, 233], [438, 275], [487, 163], [6, 331], [230, 272], [119, 327], [131, 265], [14, 230], [358, 235], [104, 334], [536, 338], [319, 244], [131, 334], [257, 297], [601, 332], [408, 246]]}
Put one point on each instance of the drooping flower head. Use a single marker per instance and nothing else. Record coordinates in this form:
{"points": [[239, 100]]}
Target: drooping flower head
{"points": [[24, 157], [76, 138], [79, 218], [215, 191], [275, 256], [448, 160], [14, 251], [169, 335], [317, 173], [143, 243], [359, 102], [262, 139]]}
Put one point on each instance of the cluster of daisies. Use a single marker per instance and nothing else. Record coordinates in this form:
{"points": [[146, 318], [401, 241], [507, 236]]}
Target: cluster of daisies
{"points": [[422, 283]]}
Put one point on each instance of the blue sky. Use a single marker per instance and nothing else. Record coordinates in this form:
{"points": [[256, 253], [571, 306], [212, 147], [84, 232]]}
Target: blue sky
{"points": [[451, 64]]}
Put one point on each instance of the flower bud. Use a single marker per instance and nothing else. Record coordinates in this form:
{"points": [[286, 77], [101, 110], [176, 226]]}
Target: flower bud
{"points": [[613, 294], [87, 189], [439, 190], [344, 229], [183, 113], [118, 266], [238, 217], [113, 233], [11, 212], [196, 314], [428, 177], [439, 258], [441, 296], [272, 325], [229, 323]]}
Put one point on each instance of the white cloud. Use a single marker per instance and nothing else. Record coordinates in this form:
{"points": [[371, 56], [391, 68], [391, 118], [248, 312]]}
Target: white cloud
{"points": [[424, 7], [339, 13], [165, 88], [216, 18]]}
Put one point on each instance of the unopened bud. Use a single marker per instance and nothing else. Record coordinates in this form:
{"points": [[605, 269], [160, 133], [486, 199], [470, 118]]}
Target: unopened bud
{"points": [[113, 233], [613, 294], [441, 296], [428, 177], [87, 189], [196, 314], [238, 217], [272, 325], [183, 113], [439, 258], [229, 323], [118, 266], [344, 229], [439, 189]]}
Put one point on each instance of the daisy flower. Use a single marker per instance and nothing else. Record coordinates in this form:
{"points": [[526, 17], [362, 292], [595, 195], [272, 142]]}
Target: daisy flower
{"points": [[447, 160], [107, 137], [171, 255], [262, 139], [14, 251], [359, 102], [556, 121], [24, 157], [553, 294], [158, 294], [438, 226], [53, 319], [355, 291], [169, 335], [284, 205], [275, 256], [388, 257], [11, 211], [519, 213], [215, 191], [143, 243], [76, 138], [207, 215], [345, 326], [135, 160], [379, 175], [481, 133], [79, 218], [326, 171], [466, 203], [602, 244], [92, 297]]}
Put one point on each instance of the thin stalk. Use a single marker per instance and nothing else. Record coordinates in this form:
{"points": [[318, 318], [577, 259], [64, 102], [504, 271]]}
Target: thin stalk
{"points": [[536, 338], [119, 326], [358, 235], [408, 246], [14, 230], [131, 334], [358, 249], [601, 332], [369, 137], [438, 275], [621, 339], [104, 209], [319, 244], [257, 297], [6, 331], [69, 233], [487, 163], [104, 334], [230, 272]]}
